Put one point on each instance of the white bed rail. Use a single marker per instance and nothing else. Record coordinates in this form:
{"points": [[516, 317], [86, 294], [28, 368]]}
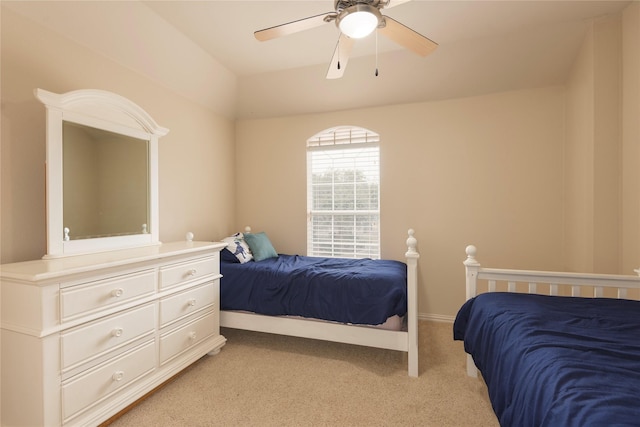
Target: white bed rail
{"points": [[544, 282]]}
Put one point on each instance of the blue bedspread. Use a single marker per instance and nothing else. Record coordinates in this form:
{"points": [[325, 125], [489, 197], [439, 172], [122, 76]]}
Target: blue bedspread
{"points": [[359, 291], [556, 361]]}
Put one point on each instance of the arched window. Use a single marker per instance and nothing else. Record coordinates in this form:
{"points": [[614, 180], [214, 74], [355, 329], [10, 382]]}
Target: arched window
{"points": [[343, 193]]}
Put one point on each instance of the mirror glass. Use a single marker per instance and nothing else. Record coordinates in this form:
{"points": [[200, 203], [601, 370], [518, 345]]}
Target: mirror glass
{"points": [[105, 183]]}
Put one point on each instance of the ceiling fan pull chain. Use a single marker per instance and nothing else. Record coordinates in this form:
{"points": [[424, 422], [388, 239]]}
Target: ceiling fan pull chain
{"points": [[376, 52], [339, 52]]}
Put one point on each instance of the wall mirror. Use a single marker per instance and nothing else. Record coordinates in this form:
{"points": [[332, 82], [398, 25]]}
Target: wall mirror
{"points": [[102, 173]]}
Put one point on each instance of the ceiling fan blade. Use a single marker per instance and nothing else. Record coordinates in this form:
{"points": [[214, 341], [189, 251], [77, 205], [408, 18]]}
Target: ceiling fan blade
{"points": [[294, 26], [408, 38], [340, 57]]}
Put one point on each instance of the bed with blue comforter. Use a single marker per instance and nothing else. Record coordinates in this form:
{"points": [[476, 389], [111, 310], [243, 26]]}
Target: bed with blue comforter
{"points": [[555, 361], [355, 291]]}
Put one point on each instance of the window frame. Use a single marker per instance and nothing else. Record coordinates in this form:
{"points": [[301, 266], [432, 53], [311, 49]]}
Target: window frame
{"points": [[362, 240]]}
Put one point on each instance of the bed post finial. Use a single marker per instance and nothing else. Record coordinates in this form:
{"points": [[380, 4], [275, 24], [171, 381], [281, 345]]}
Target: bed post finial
{"points": [[247, 229], [412, 242], [471, 255]]}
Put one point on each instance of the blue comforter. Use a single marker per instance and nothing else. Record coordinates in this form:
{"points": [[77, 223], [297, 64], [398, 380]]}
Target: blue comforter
{"points": [[359, 291], [556, 361]]}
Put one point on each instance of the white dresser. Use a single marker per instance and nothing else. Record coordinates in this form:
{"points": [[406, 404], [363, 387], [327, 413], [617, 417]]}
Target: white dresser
{"points": [[85, 336]]}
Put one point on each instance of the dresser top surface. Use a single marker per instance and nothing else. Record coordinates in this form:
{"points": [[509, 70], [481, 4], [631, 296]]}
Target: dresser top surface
{"points": [[51, 268]]}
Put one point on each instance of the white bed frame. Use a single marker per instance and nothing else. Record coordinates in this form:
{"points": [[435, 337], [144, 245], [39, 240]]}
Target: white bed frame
{"points": [[558, 283], [406, 341]]}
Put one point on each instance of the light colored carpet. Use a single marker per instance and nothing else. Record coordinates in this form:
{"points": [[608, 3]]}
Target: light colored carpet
{"points": [[269, 380]]}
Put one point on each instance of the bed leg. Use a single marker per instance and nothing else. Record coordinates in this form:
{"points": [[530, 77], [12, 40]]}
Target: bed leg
{"points": [[413, 362]]}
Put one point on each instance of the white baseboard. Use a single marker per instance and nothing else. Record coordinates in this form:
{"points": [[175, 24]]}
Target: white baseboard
{"points": [[436, 317]]}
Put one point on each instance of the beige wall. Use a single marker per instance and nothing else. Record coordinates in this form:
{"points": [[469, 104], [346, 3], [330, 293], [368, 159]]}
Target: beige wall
{"points": [[578, 158], [485, 170], [631, 138], [602, 194], [606, 189], [196, 157]]}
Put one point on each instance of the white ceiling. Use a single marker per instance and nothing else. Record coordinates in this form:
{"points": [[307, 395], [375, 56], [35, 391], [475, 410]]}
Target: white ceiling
{"points": [[206, 51]]}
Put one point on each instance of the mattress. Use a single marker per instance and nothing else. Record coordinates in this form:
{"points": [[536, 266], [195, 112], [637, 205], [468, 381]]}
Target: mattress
{"points": [[356, 291]]}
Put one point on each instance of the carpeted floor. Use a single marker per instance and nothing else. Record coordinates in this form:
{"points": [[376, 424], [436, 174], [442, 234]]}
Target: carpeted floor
{"points": [[269, 380]]}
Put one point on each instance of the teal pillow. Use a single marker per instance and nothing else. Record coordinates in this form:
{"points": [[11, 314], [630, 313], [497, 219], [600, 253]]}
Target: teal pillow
{"points": [[260, 246]]}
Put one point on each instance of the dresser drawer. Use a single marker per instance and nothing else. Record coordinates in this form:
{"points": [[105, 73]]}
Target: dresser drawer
{"points": [[186, 302], [94, 338], [175, 274], [85, 298], [186, 336], [88, 389]]}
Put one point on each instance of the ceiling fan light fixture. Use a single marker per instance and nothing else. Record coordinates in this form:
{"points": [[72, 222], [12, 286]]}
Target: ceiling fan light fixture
{"points": [[359, 20]]}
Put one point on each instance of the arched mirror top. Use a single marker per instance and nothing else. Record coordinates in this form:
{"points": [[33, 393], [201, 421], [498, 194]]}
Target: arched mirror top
{"points": [[102, 173]]}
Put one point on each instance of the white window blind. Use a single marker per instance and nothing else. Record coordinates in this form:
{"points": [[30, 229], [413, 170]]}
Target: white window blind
{"points": [[343, 194]]}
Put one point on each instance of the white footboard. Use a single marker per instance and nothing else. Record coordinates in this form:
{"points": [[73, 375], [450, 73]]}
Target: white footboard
{"points": [[543, 282]]}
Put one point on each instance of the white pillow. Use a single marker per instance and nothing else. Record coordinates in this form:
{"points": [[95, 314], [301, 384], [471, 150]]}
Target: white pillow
{"points": [[237, 246]]}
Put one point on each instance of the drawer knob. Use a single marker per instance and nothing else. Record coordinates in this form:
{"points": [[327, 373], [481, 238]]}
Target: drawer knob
{"points": [[117, 293], [192, 335], [192, 272], [116, 332], [192, 302], [117, 376]]}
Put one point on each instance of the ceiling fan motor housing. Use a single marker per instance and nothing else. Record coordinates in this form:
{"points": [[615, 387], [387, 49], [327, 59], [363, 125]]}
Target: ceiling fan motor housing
{"points": [[357, 19], [340, 5]]}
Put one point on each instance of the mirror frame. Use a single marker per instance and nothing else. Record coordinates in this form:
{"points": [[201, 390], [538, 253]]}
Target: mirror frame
{"points": [[101, 110]]}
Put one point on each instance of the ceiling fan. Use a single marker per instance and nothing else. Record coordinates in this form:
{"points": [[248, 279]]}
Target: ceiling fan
{"points": [[355, 19]]}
